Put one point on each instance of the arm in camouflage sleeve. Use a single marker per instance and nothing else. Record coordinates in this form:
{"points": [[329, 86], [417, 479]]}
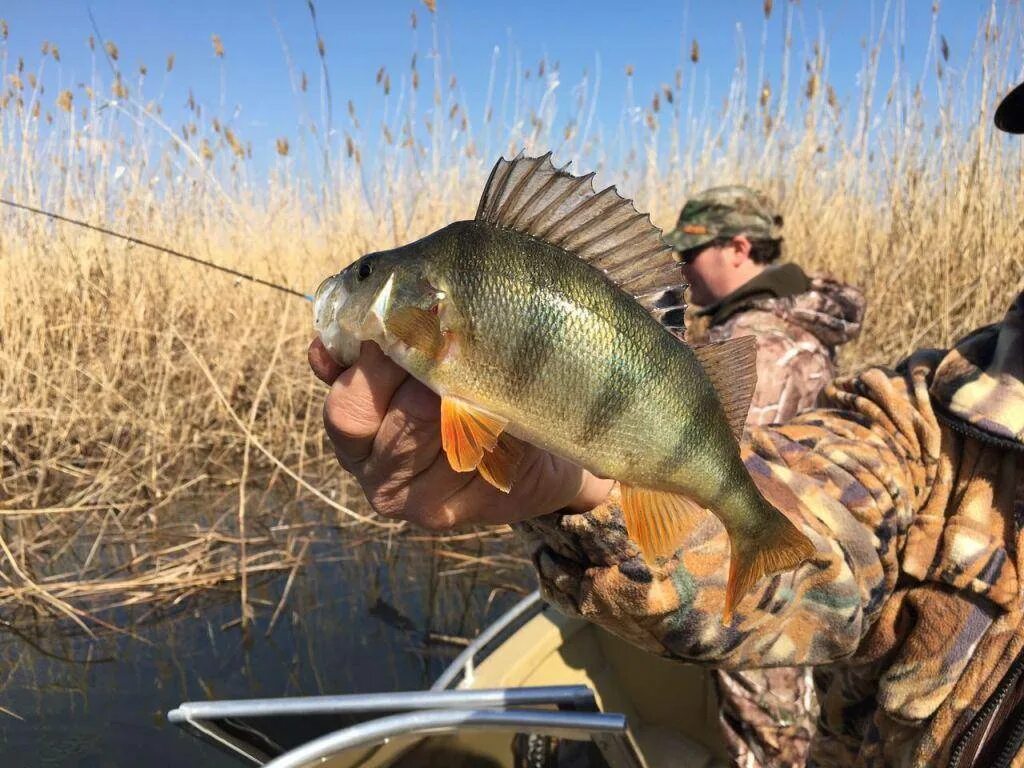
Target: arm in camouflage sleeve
{"points": [[858, 472]]}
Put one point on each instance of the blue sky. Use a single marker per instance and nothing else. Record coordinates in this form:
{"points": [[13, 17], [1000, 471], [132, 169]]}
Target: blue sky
{"points": [[362, 36]]}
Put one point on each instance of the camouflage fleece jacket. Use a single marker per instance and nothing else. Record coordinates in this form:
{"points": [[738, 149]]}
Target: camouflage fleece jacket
{"points": [[767, 716], [799, 322], [911, 484]]}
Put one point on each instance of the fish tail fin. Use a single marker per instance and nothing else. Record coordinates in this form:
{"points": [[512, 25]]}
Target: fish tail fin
{"points": [[657, 521], [778, 546]]}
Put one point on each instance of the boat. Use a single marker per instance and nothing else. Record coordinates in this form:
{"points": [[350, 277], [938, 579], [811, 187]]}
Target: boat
{"points": [[535, 689]]}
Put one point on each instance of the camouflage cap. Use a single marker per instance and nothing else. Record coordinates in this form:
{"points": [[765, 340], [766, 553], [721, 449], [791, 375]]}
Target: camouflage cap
{"points": [[722, 212]]}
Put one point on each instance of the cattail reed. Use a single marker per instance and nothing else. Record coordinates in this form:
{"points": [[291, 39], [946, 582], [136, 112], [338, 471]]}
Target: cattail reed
{"points": [[133, 386]]}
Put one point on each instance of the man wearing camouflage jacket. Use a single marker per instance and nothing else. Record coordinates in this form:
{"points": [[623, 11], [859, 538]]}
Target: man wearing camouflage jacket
{"points": [[910, 482], [729, 241]]}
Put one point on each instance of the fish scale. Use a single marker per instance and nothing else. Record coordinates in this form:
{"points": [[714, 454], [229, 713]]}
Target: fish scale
{"points": [[567, 313]]}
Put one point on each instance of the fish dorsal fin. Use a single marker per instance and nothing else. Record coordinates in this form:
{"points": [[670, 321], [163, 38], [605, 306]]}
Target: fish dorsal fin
{"points": [[731, 366], [604, 229]]}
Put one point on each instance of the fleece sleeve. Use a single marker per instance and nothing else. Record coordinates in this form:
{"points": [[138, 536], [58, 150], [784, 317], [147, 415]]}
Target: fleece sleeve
{"points": [[853, 474]]}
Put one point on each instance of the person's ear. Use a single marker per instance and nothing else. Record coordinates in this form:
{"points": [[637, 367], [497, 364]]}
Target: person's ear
{"points": [[740, 248]]}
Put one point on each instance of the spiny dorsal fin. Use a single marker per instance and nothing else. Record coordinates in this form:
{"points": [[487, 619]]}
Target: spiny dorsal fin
{"points": [[530, 195], [731, 366]]}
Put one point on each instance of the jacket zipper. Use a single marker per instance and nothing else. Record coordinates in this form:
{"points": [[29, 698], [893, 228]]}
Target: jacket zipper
{"points": [[1010, 749], [966, 429], [1008, 681]]}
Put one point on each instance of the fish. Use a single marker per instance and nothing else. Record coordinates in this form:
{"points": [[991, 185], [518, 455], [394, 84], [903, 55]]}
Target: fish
{"points": [[540, 321]]}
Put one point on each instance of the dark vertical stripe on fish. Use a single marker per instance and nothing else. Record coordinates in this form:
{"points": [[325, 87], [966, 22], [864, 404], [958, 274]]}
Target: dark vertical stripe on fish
{"points": [[670, 463], [531, 351], [618, 392]]}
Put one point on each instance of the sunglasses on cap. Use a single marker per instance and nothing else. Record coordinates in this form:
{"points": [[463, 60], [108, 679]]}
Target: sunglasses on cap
{"points": [[687, 257]]}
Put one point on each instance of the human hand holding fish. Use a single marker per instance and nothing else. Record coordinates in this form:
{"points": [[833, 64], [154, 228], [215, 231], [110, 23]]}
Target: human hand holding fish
{"points": [[537, 364], [385, 429]]}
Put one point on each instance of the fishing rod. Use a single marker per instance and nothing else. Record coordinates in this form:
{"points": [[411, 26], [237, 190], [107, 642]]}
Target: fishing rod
{"points": [[154, 246]]}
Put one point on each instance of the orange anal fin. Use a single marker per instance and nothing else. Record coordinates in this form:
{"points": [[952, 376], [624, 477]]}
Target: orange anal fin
{"points": [[467, 433], [418, 328], [658, 521], [779, 546], [500, 466]]}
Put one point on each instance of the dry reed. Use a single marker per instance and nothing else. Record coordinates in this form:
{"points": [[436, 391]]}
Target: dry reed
{"points": [[159, 429]]}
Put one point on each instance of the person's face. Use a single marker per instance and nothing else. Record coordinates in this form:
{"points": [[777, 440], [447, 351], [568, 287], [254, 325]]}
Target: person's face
{"points": [[707, 270]]}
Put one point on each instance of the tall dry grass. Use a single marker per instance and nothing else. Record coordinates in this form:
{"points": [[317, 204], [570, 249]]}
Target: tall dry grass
{"points": [[160, 430]]}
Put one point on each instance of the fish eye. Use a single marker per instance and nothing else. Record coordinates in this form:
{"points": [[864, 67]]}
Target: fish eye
{"points": [[365, 270]]}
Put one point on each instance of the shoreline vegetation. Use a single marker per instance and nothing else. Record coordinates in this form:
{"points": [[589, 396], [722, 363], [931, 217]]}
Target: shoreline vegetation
{"points": [[160, 432]]}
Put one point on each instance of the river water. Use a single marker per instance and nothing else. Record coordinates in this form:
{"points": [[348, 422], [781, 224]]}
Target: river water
{"points": [[377, 617]]}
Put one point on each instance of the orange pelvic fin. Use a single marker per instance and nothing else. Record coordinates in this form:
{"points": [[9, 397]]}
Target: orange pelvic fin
{"points": [[467, 433], [500, 466]]}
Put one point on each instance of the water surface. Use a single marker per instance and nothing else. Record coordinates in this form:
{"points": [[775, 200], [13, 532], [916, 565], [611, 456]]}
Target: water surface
{"points": [[376, 617]]}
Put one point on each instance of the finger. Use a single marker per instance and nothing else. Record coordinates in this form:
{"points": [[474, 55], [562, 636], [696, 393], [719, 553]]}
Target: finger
{"points": [[409, 437], [421, 496], [479, 503], [593, 492], [324, 366], [358, 401], [545, 485]]}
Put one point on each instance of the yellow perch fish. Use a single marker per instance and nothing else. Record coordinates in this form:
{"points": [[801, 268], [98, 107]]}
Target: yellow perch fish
{"points": [[538, 320]]}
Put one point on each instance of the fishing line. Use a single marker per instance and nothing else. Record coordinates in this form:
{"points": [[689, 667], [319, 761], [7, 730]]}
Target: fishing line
{"points": [[154, 246]]}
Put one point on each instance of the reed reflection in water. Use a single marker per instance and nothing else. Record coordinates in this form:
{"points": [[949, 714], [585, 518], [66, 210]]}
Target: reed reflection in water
{"points": [[379, 616]]}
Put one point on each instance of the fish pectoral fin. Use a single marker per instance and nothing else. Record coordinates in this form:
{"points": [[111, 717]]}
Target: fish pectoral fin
{"points": [[419, 328], [779, 546], [467, 433], [658, 521], [500, 466], [731, 365]]}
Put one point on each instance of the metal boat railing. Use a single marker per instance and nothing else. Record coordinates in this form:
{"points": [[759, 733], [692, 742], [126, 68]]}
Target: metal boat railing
{"points": [[246, 727], [575, 697], [607, 730], [462, 666]]}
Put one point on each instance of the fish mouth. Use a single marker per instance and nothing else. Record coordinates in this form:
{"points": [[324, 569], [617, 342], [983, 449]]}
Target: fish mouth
{"points": [[328, 305]]}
